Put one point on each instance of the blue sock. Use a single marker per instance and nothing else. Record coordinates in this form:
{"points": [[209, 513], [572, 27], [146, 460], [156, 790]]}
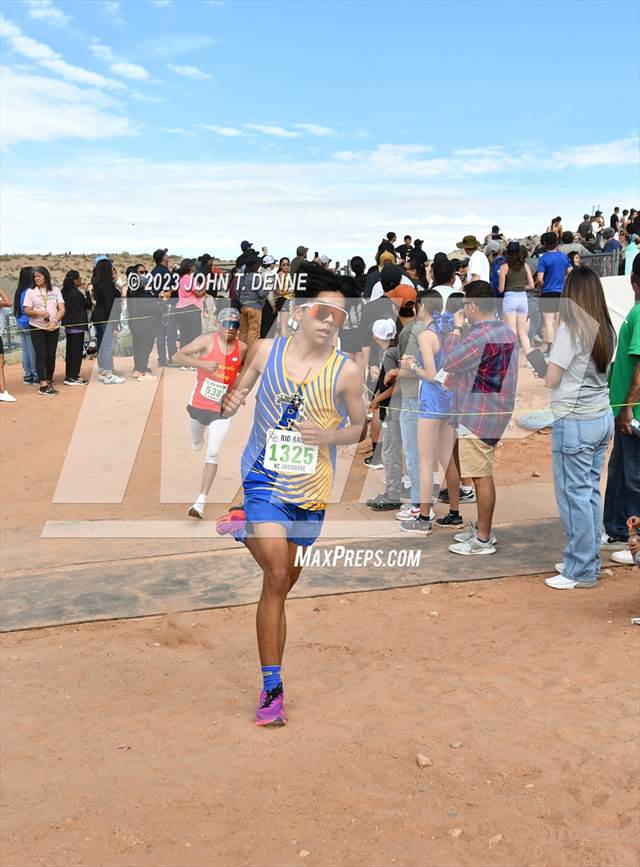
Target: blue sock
{"points": [[271, 676]]}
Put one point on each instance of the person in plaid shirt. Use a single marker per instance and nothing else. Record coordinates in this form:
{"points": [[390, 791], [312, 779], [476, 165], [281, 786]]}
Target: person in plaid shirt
{"points": [[482, 367]]}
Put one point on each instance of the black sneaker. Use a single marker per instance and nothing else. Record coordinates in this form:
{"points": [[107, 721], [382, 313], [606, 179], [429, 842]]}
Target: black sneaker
{"points": [[72, 382], [418, 527], [373, 463], [387, 504], [449, 521], [47, 389], [465, 496], [81, 381]]}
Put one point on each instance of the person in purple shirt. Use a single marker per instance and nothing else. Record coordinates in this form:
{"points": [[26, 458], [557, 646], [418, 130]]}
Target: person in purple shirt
{"points": [[552, 270]]}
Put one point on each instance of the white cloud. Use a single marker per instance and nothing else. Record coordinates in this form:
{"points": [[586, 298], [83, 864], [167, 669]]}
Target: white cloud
{"points": [[172, 45], [228, 131], [270, 129], [160, 3], [342, 208], [189, 72], [401, 161], [620, 152], [133, 71], [112, 9], [175, 130], [139, 96], [130, 70], [44, 10], [102, 51], [315, 129], [36, 108], [47, 57]]}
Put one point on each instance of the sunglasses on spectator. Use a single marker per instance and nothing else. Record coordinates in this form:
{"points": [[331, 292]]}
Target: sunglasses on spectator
{"points": [[323, 311], [230, 324]]}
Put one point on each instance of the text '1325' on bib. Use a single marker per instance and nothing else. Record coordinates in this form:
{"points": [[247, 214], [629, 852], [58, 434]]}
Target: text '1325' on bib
{"points": [[286, 453]]}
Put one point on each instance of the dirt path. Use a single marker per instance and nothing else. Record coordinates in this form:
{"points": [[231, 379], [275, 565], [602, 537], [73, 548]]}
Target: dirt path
{"points": [[123, 746]]}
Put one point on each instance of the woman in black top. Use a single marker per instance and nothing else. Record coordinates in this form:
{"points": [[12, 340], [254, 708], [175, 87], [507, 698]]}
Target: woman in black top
{"points": [[76, 324], [106, 295]]}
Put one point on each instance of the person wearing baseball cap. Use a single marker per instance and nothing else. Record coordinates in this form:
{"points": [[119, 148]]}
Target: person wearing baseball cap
{"points": [[247, 253], [269, 315], [478, 267], [390, 276], [298, 259], [387, 400], [403, 295], [217, 358]]}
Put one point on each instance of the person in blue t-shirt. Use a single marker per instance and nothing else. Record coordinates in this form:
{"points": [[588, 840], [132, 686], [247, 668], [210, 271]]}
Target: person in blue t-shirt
{"points": [[611, 244], [552, 270]]}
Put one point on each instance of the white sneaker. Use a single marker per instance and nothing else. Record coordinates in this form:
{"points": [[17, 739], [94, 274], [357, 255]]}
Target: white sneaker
{"points": [[559, 582], [5, 397], [146, 377], [470, 533], [611, 544], [111, 380], [559, 567], [196, 511], [624, 558], [407, 513], [473, 546]]}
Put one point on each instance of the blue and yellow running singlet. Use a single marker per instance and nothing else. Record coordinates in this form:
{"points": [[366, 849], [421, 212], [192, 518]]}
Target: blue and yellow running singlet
{"points": [[275, 459]]}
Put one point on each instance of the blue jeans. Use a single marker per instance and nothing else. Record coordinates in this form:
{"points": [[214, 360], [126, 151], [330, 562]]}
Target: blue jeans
{"points": [[578, 447], [167, 337], [104, 334], [535, 317], [622, 497], [409, 433], [28, 355]]}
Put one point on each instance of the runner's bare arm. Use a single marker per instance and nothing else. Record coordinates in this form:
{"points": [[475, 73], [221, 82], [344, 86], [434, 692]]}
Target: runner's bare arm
{"points": [[188, 356], [254, 365], [349, 388]]}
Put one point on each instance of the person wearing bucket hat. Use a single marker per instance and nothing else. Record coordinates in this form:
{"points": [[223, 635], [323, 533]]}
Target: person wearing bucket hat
{"points": [[217, 358], [478, 268]]}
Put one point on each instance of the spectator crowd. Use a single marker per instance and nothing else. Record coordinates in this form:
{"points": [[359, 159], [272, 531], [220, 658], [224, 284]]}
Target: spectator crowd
{"points": [[439, 343]]}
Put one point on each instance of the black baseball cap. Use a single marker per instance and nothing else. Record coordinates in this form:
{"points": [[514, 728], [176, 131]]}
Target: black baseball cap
{"points": [[159, 255]]}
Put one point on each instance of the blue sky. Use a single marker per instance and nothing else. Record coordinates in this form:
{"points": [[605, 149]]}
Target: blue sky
{"points": [[195, 124]]}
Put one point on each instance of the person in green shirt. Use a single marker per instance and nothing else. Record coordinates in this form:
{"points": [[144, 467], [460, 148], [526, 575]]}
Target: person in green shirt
{"points": [[622, 497]]}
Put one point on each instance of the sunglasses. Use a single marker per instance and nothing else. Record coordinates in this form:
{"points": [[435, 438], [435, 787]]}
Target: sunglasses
{"points": [[322, 311], [230, 324]]}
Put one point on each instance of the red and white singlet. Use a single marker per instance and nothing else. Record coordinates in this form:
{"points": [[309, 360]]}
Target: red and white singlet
{"points": [[210, 388]]}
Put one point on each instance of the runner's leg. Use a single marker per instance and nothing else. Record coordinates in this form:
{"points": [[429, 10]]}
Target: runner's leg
{"points": [[271, 550]]}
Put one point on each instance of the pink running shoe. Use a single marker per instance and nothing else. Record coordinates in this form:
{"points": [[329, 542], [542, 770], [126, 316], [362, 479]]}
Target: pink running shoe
{"points": [[270, 710], [232, 523]]}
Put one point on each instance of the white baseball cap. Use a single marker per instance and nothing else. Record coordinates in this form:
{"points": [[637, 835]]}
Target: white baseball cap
{"points": [[268, 260], [324, 259], [384, 329]]}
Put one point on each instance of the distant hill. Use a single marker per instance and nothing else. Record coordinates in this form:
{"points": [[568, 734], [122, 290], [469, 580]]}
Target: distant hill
{"points": [[58, 265]]}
